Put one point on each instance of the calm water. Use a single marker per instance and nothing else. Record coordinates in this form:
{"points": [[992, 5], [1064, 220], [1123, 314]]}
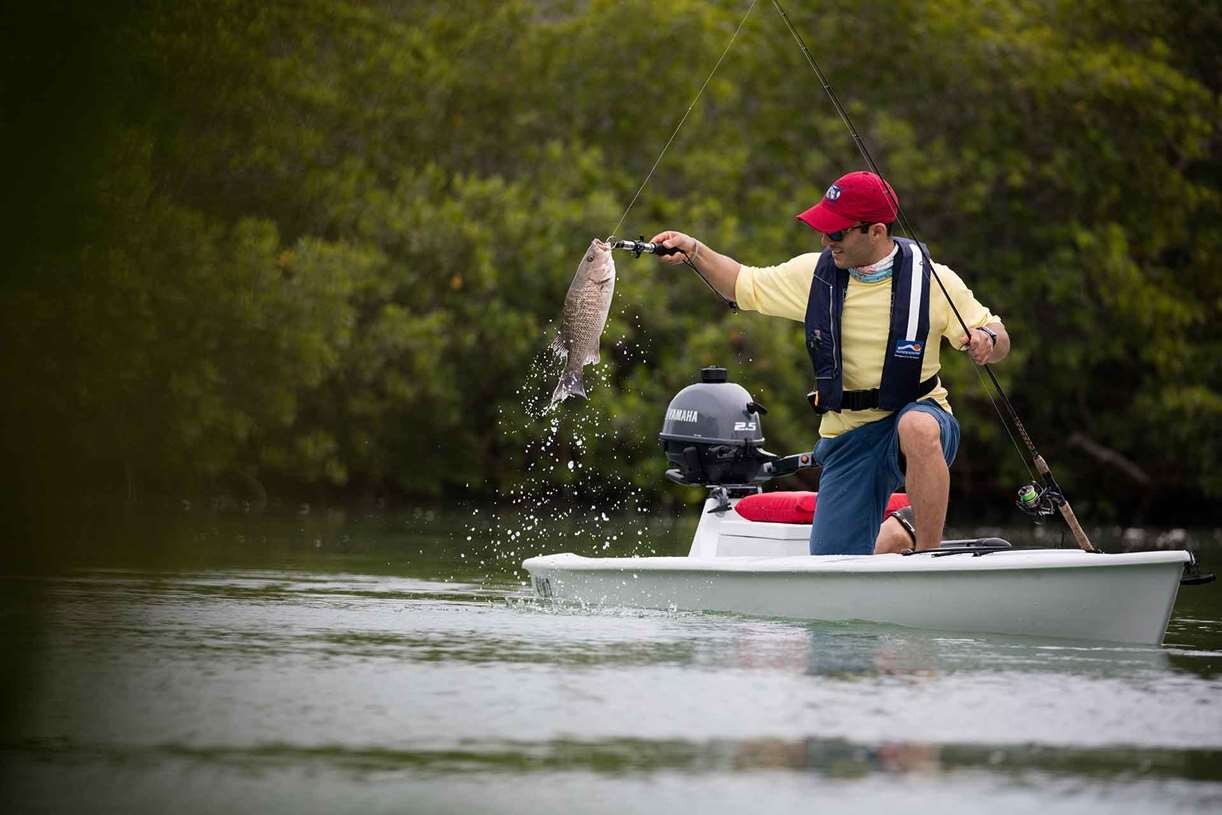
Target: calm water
{"points": [[340, 663]]}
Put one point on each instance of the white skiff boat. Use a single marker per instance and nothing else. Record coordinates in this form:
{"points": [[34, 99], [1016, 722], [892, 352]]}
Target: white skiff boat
{"points": [[759, 568], [712, 437]]}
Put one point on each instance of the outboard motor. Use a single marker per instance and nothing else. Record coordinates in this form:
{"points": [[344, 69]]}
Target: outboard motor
{"points": [[712, 433]]}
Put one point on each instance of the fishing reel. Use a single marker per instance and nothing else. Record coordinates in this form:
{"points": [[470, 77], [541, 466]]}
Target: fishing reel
{"points": [[642, 247], [1038, 501]]}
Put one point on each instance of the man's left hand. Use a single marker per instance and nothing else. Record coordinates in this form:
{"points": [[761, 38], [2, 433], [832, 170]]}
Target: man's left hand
{"points": [[980, 347]]}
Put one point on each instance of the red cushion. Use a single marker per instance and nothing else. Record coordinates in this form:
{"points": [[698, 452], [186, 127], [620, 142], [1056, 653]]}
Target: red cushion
{"points": [[794, 507]]}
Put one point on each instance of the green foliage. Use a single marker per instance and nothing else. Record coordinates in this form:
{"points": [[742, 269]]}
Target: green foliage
{"points": [[322, 244]]}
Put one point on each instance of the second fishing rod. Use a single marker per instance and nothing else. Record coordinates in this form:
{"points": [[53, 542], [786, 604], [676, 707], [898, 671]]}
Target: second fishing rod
{"points": [[1038, 499]]}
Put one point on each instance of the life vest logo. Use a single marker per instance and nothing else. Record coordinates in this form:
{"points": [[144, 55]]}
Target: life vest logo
{"points": [[833, 192], [908, 348]]}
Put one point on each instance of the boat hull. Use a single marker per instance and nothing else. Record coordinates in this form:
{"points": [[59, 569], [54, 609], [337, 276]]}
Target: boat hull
{"points": [[1043, 593]]}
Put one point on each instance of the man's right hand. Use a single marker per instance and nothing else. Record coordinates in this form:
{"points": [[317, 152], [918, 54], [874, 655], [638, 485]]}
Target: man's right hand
{"points": [[686, 245]]}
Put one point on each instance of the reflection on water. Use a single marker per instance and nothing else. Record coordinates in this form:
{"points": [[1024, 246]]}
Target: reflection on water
{"points": [[399, 672], [844, 759]]}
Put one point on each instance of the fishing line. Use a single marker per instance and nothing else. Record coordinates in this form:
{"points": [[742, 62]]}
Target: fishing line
{"points": [[984, 386], [1040, 465], [687, 113], [733, 306]]}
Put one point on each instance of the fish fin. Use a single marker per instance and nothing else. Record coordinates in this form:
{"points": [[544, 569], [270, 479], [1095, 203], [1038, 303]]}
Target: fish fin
{"points": [[571, 384], [557, 347]]}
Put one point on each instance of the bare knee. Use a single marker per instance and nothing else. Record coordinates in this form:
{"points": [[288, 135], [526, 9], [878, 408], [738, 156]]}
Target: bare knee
{"points": [[919, 434]]}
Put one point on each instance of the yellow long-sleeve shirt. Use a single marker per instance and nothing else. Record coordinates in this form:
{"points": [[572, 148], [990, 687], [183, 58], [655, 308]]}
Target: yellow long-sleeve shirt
{"points": [[783, 291]]}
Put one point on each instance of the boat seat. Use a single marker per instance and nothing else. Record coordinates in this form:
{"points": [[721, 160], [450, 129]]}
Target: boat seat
{"points": [[795, 507]]}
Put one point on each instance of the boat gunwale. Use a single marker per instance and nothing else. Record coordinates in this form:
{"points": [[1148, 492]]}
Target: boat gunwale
{"points": [[1003, 560]]}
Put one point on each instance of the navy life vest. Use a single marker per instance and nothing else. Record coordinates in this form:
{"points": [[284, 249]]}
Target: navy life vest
{"points": [[901, 382]]}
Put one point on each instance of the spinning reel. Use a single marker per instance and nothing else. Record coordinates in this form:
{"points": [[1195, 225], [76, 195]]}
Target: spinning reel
{"points": [[1039, 501]]}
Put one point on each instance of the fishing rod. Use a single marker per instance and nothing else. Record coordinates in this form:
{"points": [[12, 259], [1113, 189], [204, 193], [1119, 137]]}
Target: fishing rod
{"points": [[642, 246], [1039, 499]]}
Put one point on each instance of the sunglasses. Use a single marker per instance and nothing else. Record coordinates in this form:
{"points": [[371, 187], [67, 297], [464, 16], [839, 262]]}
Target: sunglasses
{"points": [[839, 234]]}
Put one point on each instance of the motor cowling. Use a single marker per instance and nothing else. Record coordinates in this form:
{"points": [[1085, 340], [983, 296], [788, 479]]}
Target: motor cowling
{"points": [[712, 433]]}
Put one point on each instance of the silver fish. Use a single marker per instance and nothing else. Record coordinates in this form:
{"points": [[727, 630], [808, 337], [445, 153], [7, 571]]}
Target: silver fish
{"points": [[585, 315]]}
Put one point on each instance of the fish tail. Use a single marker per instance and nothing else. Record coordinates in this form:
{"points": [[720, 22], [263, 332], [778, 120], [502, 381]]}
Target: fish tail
{"points": [[571, 384]]}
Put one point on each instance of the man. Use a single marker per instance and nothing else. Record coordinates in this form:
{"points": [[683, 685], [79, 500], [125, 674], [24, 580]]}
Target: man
{"points": [[874, 319]]}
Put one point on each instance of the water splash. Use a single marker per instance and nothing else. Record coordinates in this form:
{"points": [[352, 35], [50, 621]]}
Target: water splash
{"points": [[569, 499]]}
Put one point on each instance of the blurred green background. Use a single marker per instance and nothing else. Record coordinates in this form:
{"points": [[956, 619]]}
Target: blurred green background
{"points": [[314, 250]]}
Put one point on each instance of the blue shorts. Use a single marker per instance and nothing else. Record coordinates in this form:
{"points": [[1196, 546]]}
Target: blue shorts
{"points": [[861, 468]]}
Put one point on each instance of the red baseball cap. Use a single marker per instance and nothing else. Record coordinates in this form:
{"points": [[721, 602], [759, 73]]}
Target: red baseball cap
{"points": [[855, 198]]}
